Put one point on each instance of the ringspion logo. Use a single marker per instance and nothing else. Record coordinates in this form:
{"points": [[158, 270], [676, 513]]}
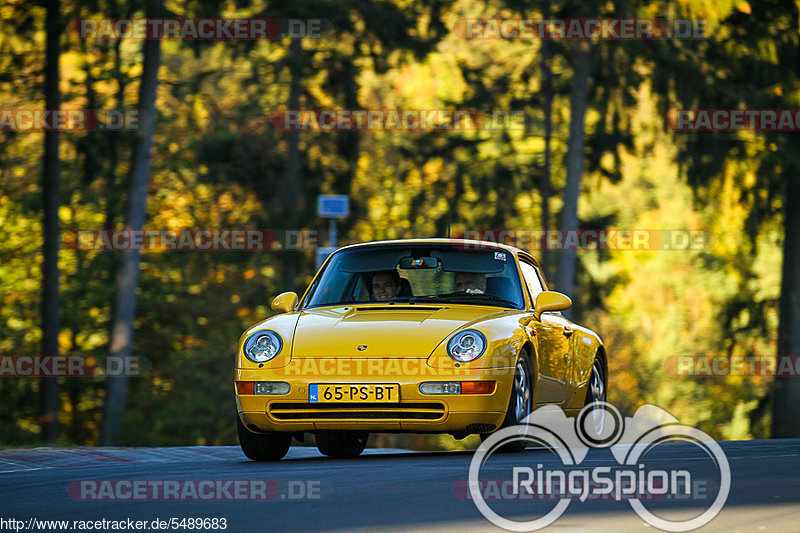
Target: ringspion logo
{"points": [[632, 479]]}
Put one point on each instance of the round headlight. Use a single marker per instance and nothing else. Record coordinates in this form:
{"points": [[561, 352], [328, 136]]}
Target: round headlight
{"points": [[467, 345], [262, 346]]}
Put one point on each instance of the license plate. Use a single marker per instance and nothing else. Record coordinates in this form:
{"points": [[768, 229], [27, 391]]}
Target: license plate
{"points": [[321, 392]]}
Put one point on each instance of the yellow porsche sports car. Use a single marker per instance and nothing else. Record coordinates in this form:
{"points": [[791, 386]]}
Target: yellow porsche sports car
{"points": [[417, 336]]}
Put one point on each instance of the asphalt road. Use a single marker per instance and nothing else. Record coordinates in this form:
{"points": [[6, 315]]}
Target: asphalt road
{"points": [[381, 490]]}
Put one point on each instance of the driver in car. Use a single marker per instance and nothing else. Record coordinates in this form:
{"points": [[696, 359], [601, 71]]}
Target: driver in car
{"points": [[385, 285], [470, 282]]}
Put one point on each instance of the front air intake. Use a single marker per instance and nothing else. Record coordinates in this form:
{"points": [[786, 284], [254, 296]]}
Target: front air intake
{"points": [[357, 411]]}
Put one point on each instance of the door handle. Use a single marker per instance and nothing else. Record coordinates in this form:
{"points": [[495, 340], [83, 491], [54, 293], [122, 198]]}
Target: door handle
{"points": [[568, 332]]}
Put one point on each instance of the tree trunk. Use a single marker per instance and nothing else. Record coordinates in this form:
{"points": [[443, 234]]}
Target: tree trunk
{"points": [[786, 390], [128, 273], [290, 182], [544, 187], [112, 195], [51, 188], [567, 259]]}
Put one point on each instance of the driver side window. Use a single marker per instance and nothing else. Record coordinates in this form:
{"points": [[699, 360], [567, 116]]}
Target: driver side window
{"points": [[531, 279]]}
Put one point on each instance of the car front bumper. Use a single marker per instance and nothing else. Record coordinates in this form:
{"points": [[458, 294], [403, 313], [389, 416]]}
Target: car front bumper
{"points": [[414, 412]]}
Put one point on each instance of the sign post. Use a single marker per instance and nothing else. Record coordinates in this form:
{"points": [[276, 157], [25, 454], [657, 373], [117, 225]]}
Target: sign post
{"points": [[331, 206]]}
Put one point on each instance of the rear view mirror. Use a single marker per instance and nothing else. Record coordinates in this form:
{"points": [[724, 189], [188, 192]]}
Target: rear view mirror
{"points": [[408, 263], [550, 301]]}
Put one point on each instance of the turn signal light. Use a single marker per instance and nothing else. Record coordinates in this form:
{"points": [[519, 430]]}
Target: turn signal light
{"points": [[457, 387], [245, 387], [477, 387]]}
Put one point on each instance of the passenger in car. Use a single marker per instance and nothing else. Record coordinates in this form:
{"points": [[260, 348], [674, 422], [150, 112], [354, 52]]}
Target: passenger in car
{"points": [[385, 285], [470, 282]]}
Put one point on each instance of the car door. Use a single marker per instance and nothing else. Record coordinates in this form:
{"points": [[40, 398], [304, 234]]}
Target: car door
{"points": [[552, 334]]}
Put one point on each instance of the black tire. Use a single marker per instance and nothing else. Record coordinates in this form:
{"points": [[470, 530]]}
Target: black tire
{"points": [[598, 383], [262, 446], [520, 404], [341, 444], [596, 391]]}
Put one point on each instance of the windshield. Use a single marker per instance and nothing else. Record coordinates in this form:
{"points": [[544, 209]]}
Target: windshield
{"points": [[418, 273]]}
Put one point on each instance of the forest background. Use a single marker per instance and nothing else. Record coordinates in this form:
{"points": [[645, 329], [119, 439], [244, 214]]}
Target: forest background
{"points": [[592, 151]]}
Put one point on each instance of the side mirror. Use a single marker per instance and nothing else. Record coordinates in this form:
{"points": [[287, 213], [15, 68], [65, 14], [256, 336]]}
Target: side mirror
{"points": [[285, 302], [550, 301]]}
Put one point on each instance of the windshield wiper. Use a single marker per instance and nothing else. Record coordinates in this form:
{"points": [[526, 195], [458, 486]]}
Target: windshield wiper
{"points": [[455, 297], [480, 296]]}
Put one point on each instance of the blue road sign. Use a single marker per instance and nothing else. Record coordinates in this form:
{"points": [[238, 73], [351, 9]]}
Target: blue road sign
{"points": [[333, 205]]}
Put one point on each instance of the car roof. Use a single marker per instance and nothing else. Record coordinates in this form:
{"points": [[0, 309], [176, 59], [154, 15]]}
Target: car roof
{"points": [[511, 249], [466, 242]]}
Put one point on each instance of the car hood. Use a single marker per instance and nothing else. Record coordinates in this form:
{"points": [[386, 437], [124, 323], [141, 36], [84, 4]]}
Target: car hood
{"points": [[386, 331]]}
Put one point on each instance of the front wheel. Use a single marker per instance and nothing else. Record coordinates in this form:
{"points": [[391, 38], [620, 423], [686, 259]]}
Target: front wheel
{"points": [[262, 446], [596, 393], [341, 444], [520, 405]]}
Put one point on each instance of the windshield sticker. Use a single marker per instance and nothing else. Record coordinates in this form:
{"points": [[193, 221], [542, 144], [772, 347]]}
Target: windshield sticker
{"points": [[500, 256]]}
